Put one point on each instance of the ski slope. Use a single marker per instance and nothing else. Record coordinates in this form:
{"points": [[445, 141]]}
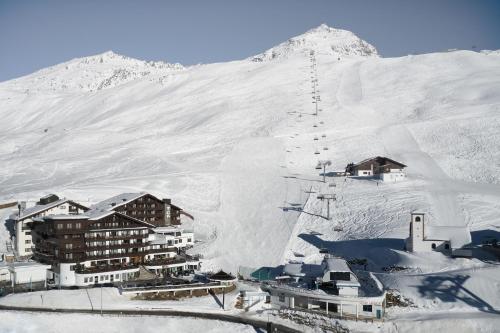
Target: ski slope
{"points": [[233, 144]]}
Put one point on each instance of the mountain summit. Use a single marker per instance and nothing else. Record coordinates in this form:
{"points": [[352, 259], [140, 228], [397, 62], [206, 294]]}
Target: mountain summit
{"points": [[322, 40], [96, 72]]}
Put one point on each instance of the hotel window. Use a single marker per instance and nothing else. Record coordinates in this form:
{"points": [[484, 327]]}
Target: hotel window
{"points": [[27, 250], [27, 241], [78, 225], [101, 278], [367, 308], [60, 226], [69, 246], [69, 226], [69, 256], [85, 280], [72, 267], [282, 298]]}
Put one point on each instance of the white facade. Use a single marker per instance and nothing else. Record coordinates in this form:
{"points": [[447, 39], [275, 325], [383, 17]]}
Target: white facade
{"points": [[28, 272], [88, 273], [394, 176], [364, 173], [171, 236], [418, 242], [337, 272], [353, 307]]}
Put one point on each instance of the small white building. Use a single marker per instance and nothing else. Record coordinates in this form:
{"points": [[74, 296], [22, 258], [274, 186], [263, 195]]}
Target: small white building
{"points": [[449, 240], [23, 272]]}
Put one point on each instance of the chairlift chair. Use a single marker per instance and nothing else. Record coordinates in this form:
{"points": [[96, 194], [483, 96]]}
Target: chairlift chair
{"points": [[323, 136], [318, 166], [316, 152], [315, 138], [325, 148]]}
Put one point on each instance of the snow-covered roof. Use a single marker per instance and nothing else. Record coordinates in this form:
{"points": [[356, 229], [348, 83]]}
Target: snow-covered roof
{"points": [[106, 207], [67, 217], [301, 269], [457, 235], [162, 230], [27, 265], [336, 265], [28, 212], [116, 201]]}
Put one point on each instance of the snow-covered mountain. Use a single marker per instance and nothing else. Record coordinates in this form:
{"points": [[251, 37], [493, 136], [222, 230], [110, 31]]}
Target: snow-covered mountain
{"points": [[234, 144], [323, 40], [92, 73]]}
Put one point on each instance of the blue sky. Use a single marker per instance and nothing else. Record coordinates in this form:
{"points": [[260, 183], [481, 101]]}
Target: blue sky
{"points": [[35, 33]]}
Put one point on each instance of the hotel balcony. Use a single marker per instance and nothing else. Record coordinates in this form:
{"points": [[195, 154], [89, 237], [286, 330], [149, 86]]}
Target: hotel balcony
{"points": [[80, 269]]}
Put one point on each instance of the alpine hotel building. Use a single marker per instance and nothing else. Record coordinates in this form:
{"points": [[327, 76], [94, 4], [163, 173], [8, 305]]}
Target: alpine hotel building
{"points": [[110, 241]]}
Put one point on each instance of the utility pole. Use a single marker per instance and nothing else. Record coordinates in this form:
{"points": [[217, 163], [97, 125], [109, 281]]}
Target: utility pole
{"points": [[327, 197], [101, 300], [223, 298], [323, 164]]}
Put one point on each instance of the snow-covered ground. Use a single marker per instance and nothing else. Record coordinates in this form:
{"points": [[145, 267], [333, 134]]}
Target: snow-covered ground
{"points": [[233, 144], [26, 322]]}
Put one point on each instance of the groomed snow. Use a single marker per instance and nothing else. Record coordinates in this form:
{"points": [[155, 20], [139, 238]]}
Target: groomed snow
{"points": [[26, 322], [233, 144]]}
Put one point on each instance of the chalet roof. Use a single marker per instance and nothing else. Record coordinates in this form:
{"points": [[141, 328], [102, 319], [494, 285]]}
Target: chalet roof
{"points": [[31, 211], [117, 201], [94, 216], [381, 160], [222, 276]]}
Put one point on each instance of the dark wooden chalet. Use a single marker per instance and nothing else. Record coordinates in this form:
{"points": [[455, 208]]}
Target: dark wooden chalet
{"points": [[143, 206], [374, 166], [67, 239]]}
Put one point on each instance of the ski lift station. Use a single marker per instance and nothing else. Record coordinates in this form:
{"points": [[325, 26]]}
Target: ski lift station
{"points": [[330, 287]]}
